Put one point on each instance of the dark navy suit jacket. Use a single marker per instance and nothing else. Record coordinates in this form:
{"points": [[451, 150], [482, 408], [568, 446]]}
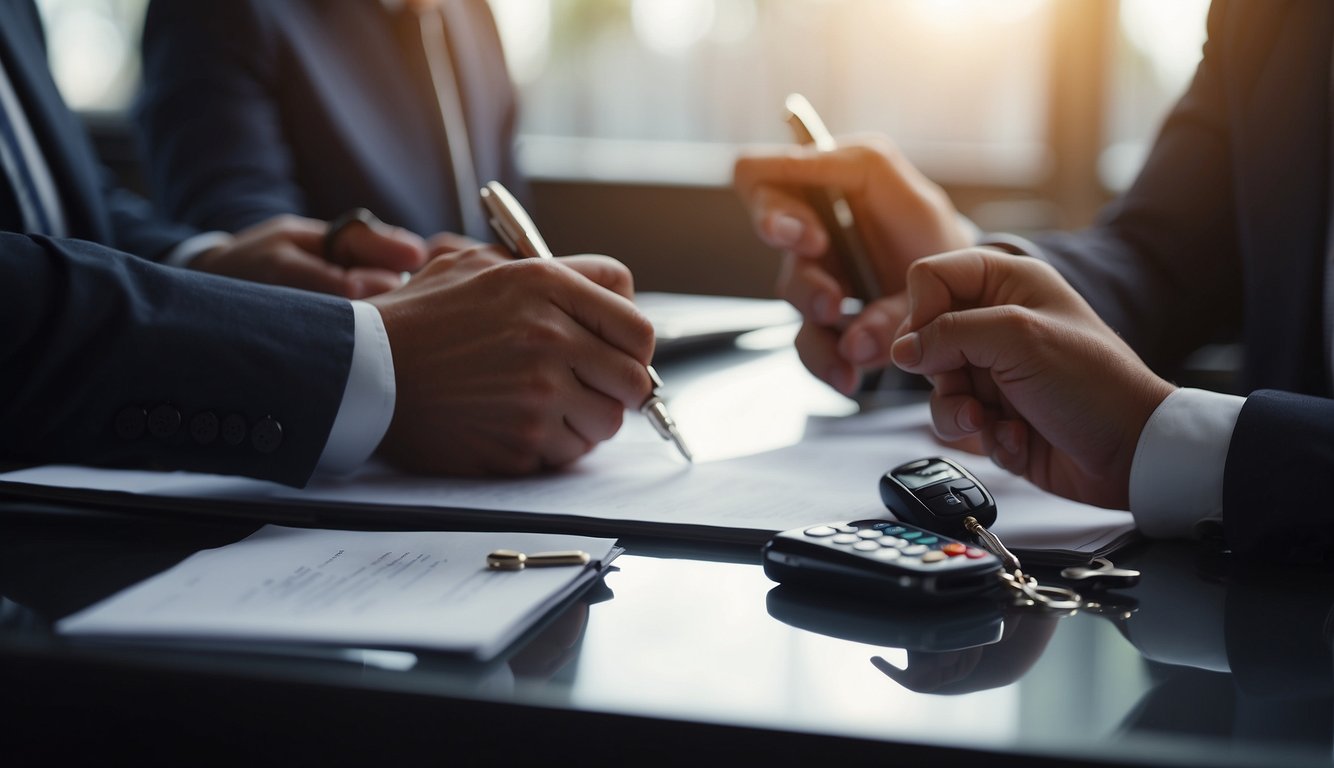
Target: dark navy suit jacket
{"points": [[89, 332], [252, 108], [1224, 233]]}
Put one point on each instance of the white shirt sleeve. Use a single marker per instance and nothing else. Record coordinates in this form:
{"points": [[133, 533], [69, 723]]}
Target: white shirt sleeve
{"points": [[368, 399], [186, 251], [1176, 477]]}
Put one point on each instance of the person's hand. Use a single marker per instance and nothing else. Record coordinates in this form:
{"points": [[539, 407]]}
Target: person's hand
{"points": [[459, 264], [289, 250], [442, 243], [901, 216], [1021, 360], [522, 366]]}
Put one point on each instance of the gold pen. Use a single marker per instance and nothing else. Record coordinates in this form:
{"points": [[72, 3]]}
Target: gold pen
{"points": [[518, 233]]}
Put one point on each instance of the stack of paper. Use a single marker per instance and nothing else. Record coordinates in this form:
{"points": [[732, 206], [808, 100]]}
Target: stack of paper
{"points": [[350, 588]]}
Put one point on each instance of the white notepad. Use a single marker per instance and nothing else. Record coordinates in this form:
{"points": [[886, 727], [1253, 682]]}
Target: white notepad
{"points": [[411, 590]]}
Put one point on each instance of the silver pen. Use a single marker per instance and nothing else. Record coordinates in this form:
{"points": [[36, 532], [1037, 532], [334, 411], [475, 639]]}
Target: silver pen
{"points": [[518, 233]]}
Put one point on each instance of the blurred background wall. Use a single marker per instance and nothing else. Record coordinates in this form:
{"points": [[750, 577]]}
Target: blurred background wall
{"points": [[1031, 113]]}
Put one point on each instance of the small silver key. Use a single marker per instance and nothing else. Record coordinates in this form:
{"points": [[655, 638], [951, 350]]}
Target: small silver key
{"points": [[1101, 574]]}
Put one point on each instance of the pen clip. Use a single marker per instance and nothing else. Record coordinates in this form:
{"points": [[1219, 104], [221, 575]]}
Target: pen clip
{"points": [[512, 224], [806, 123]]}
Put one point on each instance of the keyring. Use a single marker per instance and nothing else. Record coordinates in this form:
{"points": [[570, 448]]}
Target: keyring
{"points": [[340, 225], [1041, 595]]}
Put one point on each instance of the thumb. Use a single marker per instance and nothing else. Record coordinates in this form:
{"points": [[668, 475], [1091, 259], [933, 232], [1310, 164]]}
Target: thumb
{"points": [[995, 338], [380, 245]]}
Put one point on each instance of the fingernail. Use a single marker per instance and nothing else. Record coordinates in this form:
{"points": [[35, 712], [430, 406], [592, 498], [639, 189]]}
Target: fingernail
{"points": [[966, 420], [787, 229], [907, 351], [863, 347]]}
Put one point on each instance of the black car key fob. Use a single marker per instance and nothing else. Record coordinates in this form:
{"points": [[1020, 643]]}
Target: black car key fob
{"points": [[938, 495]]}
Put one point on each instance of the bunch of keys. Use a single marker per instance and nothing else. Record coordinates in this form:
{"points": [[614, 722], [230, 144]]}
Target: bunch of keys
{"points": [[939, 495]]}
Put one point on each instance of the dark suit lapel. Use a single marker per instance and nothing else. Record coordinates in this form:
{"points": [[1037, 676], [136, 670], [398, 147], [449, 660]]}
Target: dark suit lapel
{"points": [[60, 135]]}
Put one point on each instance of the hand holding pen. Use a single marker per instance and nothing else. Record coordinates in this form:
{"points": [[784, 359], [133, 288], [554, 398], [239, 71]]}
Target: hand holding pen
{"points": [[518, 233]]}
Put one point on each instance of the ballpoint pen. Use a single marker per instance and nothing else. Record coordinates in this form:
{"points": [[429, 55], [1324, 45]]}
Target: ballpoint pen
{"points": [[518, 233]]}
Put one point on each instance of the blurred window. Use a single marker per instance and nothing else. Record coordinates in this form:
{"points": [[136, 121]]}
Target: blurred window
{"points": [[666, 89]]}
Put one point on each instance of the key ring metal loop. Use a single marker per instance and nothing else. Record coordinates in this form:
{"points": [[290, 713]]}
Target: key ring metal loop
{"points": [[1045, 596]]}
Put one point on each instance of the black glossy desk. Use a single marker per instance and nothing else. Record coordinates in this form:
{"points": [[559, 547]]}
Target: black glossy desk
{"points": [[688, 655]]}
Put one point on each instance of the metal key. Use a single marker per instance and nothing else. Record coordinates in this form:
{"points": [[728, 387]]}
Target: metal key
{"points": [[1013, 577], [513, 560], [1101, 574]]}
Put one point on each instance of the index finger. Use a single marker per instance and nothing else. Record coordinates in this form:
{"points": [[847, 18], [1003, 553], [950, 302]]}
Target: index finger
{"points": [[843, 167], [974, 277], [607, 313]]}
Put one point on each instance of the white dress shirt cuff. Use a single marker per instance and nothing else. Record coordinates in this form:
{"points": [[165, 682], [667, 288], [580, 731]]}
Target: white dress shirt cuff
{"points": [[186, 251], [368, 399], [1176, 477]]}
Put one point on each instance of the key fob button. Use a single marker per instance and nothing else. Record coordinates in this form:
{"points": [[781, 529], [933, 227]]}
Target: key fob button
{"points": [[948, 505], [869, 533], [934, 557], [820, 531], [953, 549], [911, 535], [866, 546], [928, 541], [846, 528], [973, 553], [914, 550], [888, 554], [932, 491], [893, 542], [845, 538], [973, 496]]}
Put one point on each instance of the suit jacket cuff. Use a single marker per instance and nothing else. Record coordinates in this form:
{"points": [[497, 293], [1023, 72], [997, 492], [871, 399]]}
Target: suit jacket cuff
{"points": [[1176, 477], [368, 399], [183, 254]]}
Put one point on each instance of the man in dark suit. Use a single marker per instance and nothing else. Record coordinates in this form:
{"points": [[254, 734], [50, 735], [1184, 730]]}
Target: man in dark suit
{"points": [[1225, 231], [107, 357], [251, 109]]}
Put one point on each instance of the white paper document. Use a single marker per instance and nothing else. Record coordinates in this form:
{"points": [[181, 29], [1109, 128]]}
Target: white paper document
{"points": [[417, 590], [635, 484]]}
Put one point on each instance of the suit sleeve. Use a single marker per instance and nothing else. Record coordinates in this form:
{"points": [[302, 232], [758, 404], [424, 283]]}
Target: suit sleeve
{"points": [[136, 228], [1161, 265], [109, 359], [214, 148], [1279, 478]]}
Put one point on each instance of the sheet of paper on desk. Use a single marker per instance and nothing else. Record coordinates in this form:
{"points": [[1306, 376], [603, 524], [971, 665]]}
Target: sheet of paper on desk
{"points": [[421, 590], [634, 484]]}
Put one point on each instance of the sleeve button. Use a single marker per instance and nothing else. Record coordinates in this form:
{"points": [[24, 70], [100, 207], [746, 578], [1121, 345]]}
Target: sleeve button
{"points": [[130, 422], [163, 421], [267, 435], [204, 427], [233, 429]]}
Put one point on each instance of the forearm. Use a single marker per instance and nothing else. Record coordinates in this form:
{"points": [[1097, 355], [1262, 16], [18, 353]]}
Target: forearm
{"points": [[96, 340]]}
